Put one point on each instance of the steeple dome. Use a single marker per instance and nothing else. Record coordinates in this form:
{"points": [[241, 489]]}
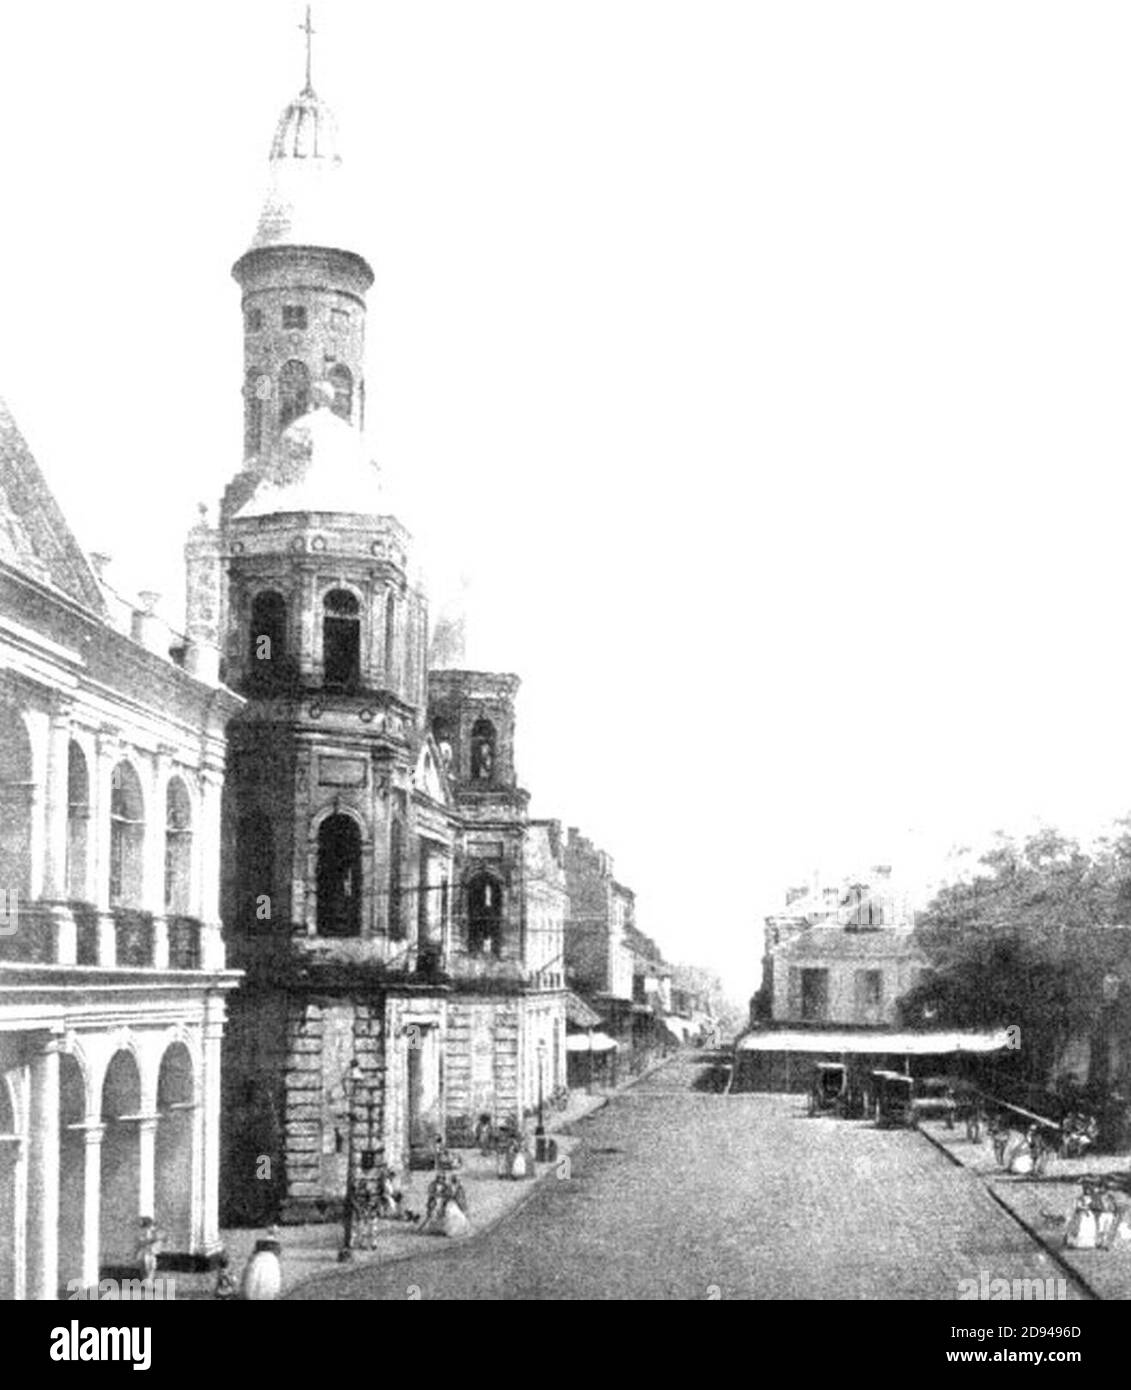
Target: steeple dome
{"points": [[304, 284], [307, 129], [306, 203]]}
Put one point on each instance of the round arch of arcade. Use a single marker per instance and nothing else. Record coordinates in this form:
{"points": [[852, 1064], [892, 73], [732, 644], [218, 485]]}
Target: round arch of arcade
{"points": [[134, 1096]]}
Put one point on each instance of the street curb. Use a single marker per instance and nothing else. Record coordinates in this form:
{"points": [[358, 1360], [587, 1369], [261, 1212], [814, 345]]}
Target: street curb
{"points": [[1054, 1254], [442, 1246]]}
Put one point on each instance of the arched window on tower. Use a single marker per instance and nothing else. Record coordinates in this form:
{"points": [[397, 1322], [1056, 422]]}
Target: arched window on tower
{"points": [[267, 634], [341, 379], [252, 414], [294, 392], [341, 639], [178, 849], [482, 751], [484, 915], [339, 877]]}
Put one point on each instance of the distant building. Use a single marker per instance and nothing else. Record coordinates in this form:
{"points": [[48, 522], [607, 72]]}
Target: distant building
{"points": [[598, 956], [840, 953]]}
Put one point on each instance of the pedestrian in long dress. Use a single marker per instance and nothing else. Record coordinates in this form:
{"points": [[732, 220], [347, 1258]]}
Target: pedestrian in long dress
{"points": [[1081, 1231], [263, 1276], [148, 1248]]}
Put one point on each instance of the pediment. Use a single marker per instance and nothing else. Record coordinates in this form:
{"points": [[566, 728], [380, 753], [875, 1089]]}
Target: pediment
{"points": [[427, 777]]}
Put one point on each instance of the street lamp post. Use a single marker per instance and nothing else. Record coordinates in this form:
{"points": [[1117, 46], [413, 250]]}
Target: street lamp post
{"points": [[540, 1131], [345, 1254]]}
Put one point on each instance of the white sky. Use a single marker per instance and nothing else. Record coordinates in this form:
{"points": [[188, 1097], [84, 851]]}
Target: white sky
{"points": [[765, 366]]}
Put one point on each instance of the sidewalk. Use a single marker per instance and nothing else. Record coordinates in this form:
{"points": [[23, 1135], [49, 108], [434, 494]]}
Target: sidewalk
{"points": [[311, 1251], [1042, 1205]]}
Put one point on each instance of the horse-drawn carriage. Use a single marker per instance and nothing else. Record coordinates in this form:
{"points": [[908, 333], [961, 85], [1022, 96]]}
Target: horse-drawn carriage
{"points": [[829, 1093], [893, 1100]]}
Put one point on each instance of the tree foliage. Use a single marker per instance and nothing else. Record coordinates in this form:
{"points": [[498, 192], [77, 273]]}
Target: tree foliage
{"points": [[1012, 944]]}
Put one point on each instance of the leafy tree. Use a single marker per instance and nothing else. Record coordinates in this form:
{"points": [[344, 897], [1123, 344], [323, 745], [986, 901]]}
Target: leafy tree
{"points": [[1011, 946]]}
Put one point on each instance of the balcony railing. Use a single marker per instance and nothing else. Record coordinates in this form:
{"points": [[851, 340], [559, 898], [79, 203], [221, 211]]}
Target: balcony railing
{"points": [[184, 943], [133, 937], [30, 938], [124, 938]]}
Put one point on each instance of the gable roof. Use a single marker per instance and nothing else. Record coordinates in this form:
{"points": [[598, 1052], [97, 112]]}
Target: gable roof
{"points": [[34, 535]]}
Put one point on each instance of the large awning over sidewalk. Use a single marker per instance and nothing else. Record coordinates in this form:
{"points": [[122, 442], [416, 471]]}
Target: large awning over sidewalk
{"points": [[864, 1043]]}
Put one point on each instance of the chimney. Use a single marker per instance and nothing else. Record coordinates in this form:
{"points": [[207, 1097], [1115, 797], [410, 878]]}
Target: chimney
{"points": [[145, 625]]}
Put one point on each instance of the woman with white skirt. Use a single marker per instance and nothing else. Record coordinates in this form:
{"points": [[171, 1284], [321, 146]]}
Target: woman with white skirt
{"points": [[263, 1277]]}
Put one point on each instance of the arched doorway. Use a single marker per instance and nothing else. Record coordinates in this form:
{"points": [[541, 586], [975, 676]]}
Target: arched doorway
{"points": [[16, 788], [339, 877], [9, 1205], [121, 1162], [72, 1167], [173, 1159]]}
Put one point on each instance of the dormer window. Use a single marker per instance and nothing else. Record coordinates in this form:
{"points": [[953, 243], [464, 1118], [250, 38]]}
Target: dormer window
{"points": [[341, 638], [294, 315]]}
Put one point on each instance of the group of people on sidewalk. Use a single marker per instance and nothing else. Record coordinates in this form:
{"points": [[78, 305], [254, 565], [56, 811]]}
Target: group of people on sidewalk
{"points": [[377, 1197], [1100, 1218], [1101, 1215]]}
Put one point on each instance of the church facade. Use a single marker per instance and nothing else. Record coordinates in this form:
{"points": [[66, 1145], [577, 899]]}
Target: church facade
{"points": [[377, 843]]}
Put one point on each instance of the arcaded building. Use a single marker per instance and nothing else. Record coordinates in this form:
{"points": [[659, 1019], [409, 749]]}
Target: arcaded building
{"points": [[112, 969], [374, 885]]}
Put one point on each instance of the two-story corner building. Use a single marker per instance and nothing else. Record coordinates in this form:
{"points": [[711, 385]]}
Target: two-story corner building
{"points": [[841, 954], [112, 970]]}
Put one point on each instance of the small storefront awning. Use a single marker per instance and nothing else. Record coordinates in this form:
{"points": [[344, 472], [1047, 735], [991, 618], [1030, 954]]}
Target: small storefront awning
{"points": [[589, 1042], [578, 1013]]}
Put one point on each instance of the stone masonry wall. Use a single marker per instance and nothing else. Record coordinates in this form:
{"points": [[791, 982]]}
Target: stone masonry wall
{"points": [[324, 1036], [481, 1062]]}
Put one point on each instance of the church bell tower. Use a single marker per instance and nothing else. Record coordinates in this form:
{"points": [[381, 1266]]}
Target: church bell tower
{"points": [[335, 889]]}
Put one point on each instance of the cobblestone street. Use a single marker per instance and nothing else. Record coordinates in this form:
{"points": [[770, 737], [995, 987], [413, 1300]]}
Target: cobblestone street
{"points": [[679, 1193]]}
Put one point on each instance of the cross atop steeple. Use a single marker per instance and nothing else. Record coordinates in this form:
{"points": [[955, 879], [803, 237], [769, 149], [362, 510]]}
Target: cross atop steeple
{"points": [[309, 30]]}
